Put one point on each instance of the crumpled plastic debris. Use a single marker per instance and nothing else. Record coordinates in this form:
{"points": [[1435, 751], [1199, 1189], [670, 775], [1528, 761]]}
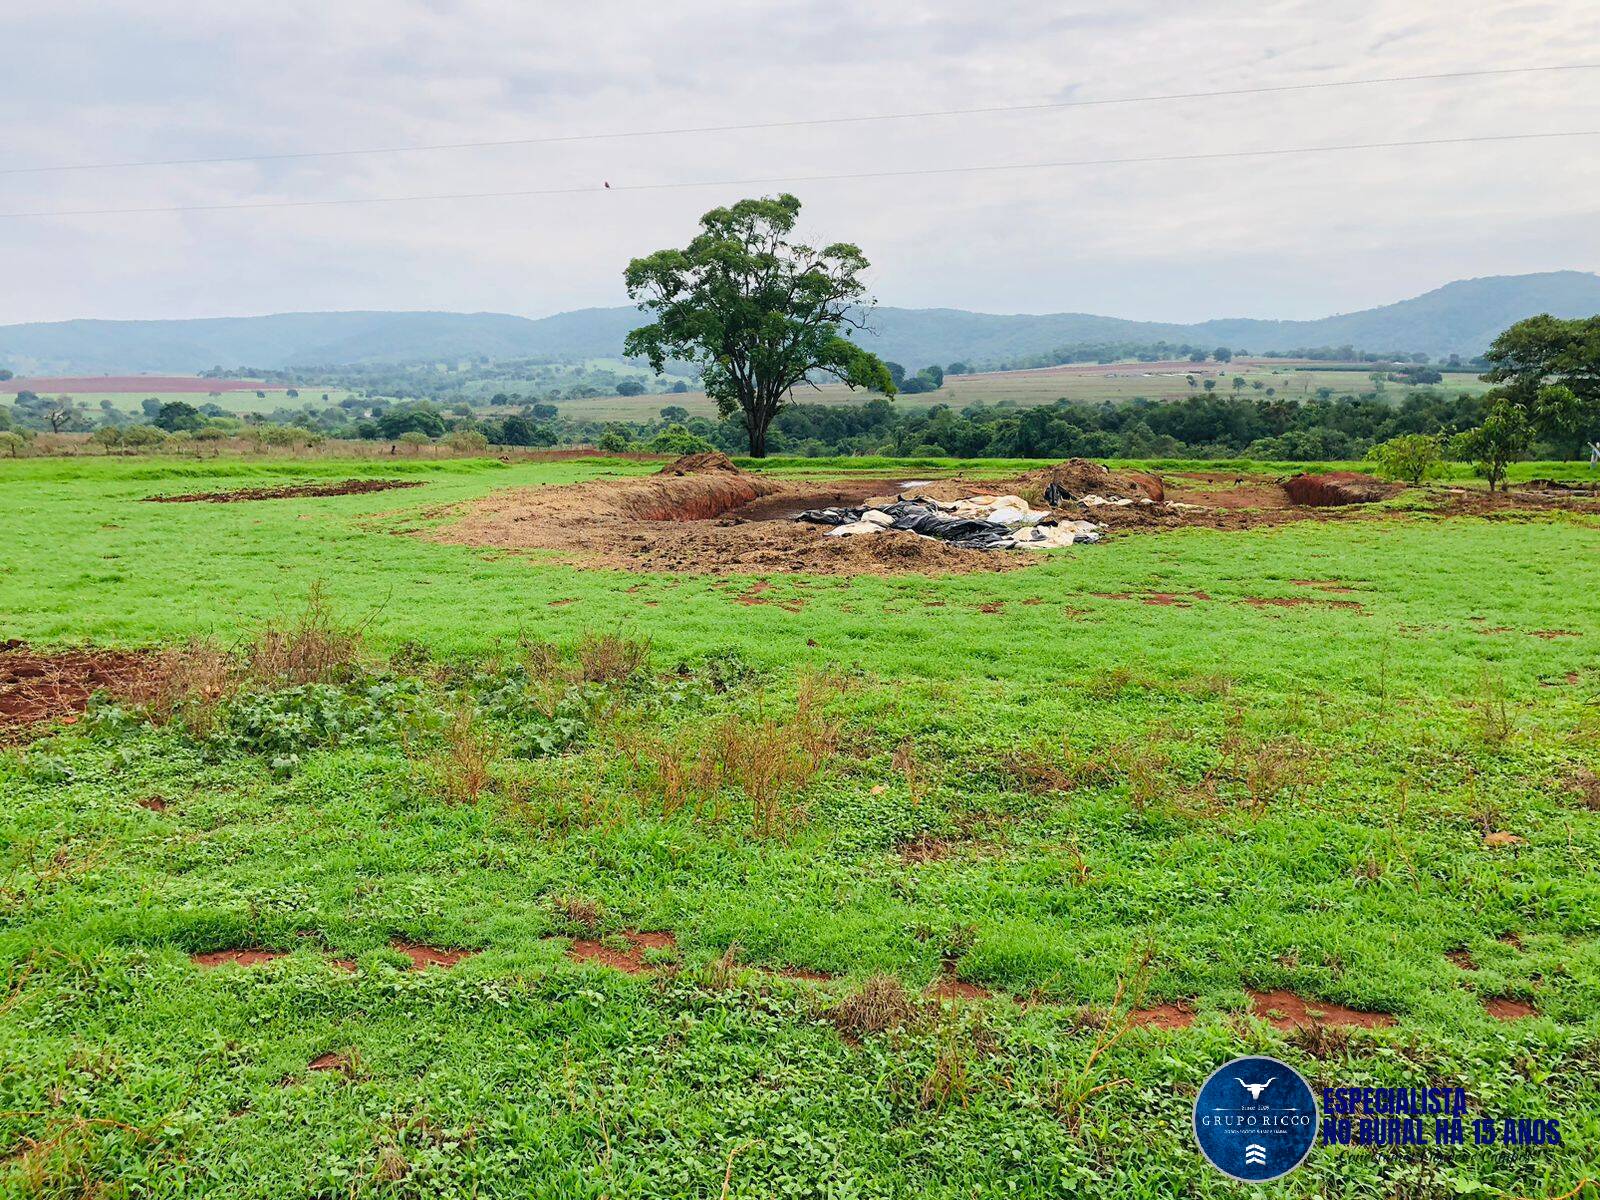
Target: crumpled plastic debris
{"points": [[975, 523]]}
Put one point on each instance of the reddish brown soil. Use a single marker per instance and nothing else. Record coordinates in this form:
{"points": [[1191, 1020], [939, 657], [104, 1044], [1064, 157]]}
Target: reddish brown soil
{"points": [[332, 1061], [1164, 599], [805, 974], [39, 686], [423, 956], [1163, 1016], [154, 803], [631, 960], [346, 487], [1550, 635], [1285, 1010], [1463, 959], [1508, 1008], [142, 384], [1338, 487], [243, 956], [1298, 602], [1323, 585], [948, 988]]}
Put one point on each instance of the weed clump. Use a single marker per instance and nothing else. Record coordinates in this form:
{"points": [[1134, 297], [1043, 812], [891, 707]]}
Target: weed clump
{"points": [[878, 1005]]}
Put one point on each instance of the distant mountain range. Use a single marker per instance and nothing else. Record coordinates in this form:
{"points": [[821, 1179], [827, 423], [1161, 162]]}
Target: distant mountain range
{"points": [[1459, 318]]}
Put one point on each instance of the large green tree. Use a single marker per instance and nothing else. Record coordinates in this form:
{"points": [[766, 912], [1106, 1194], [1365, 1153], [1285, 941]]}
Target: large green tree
{"points": [[1550, 369], [759, 313]]}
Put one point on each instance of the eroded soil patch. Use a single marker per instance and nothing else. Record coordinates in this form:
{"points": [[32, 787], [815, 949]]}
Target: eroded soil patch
{"points": [[346, 487], [1283, 1009], [1162, 1016], [244, 956], [632, 960], [42, 686], [1508, 1008], [423, 956]]}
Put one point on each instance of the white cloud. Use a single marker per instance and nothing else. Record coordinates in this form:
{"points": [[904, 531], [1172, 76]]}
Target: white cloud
{"points": [[91, 81]]}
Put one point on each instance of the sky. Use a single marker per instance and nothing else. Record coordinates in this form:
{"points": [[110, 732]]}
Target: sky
{"points": [[1294, 236]]}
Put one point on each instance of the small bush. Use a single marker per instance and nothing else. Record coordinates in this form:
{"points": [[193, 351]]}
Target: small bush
{"points": [[464, 766], [608, 658], [313, 648]]}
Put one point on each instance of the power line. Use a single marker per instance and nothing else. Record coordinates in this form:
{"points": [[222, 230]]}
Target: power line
{"points": [[787, 179], [796, 124]]}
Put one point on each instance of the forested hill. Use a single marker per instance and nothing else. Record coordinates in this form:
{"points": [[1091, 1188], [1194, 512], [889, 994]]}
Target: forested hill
{"points": [[1459, 318]]}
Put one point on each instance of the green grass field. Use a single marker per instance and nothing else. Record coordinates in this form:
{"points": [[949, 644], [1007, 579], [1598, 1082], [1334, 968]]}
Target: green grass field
{"points": [[1079, 803]]}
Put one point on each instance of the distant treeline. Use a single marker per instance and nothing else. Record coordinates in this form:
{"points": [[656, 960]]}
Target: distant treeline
{"points": [[1114, 352], [1202, 426]]}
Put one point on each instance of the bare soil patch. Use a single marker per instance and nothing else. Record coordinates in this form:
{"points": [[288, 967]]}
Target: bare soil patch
{"points": [[1508, 1008], [1299, 602], [947, 987], [1462, 958], [630, 961], [1163, 1016], [332, 1061], [1337, 488], [1285, 1010], [244, 956], [40, 686], [345, 487], [714, 521], [423, 956]]}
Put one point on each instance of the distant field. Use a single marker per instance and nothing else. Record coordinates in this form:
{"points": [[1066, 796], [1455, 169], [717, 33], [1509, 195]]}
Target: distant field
{"points": [[142, 384], [236, 403], [1084, 382]]}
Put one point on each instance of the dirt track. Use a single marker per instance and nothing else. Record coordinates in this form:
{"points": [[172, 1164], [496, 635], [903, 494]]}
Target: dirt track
{"points": [[345, 487]]}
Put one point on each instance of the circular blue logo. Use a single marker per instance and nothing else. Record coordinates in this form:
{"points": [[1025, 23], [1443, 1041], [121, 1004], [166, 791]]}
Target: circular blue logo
{"points": [[1255, 1119]]}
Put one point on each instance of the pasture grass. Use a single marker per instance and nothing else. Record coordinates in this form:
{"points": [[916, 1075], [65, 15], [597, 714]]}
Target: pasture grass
{"points": [[1081, 804]]}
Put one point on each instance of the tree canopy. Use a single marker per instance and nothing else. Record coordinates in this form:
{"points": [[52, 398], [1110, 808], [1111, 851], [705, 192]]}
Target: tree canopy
{"points": [[1549, 368], [758, 312]]}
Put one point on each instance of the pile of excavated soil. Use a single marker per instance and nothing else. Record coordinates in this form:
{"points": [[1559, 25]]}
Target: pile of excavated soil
{"points": [[345, 487], [703, 516], [1338, 487], [36, 686], [1079, 477], [699, 464]]}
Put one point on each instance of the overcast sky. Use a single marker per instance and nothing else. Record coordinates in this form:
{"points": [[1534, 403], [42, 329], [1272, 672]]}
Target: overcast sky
{"points": [[89, 81]]}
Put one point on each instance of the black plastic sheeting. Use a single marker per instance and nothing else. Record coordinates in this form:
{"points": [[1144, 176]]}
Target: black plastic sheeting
{"points": [[921, 516]]}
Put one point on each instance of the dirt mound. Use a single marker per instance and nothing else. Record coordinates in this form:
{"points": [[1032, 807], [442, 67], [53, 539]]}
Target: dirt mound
{"points": [[346, 487], [1078, 477], [699, 464], [699, 523], [1338, 487], [36, 686]]}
